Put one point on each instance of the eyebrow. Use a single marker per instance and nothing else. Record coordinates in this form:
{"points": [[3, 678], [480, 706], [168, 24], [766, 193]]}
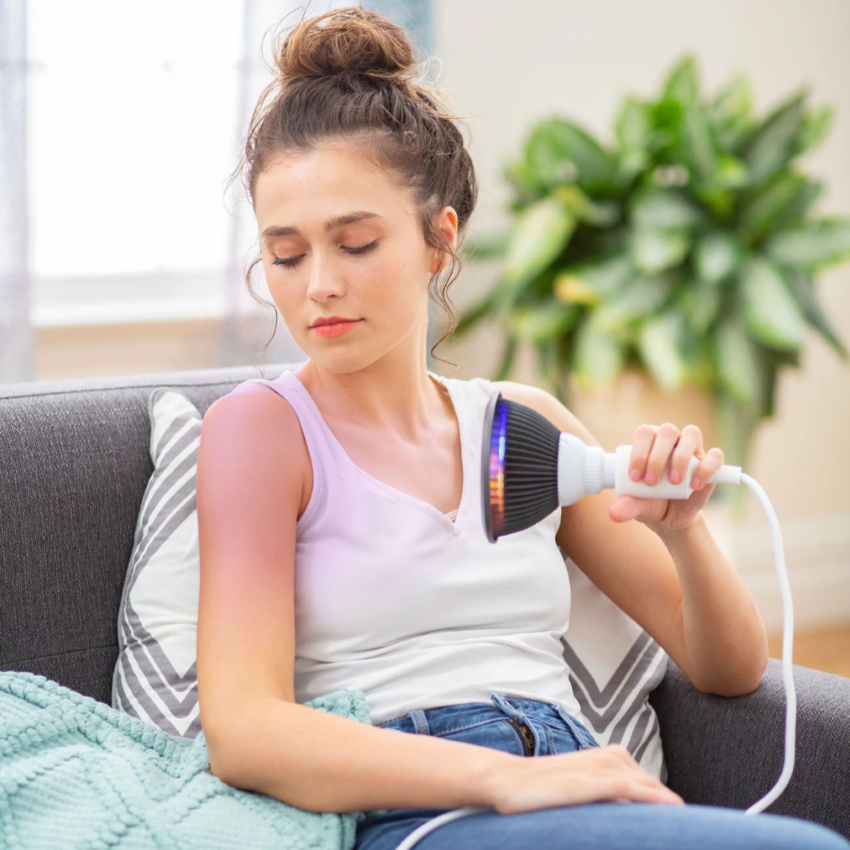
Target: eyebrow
{"points": [[330, 224]]}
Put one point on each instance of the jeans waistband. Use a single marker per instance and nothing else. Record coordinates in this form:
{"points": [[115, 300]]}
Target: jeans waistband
{"points": [[443, 719]]}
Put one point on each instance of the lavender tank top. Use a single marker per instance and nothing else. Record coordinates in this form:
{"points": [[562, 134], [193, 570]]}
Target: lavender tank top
{"points": [[408, 605]]}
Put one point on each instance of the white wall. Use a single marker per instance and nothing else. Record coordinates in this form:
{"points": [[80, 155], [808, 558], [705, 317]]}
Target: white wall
{"points": [[507, 64]]}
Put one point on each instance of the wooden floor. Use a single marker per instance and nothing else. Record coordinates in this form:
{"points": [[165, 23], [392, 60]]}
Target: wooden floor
{"points": [[822, 650]]}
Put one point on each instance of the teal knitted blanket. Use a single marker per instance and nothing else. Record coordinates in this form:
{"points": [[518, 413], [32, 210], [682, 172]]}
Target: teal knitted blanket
{"points": [[77, 773]]}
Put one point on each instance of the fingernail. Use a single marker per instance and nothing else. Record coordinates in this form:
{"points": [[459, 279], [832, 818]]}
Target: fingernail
{"points": [[649, 478], [675, 476], [634, 474]]}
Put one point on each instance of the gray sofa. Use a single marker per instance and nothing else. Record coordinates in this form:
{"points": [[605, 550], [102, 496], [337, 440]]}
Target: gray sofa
{"points": [[74, 464]]}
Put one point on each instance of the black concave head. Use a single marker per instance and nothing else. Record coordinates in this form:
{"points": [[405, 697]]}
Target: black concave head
{"points": [[519, 467]]}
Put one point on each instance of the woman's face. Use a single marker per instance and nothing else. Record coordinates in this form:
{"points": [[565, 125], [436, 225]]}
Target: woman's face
{"points": [[339, 239]]}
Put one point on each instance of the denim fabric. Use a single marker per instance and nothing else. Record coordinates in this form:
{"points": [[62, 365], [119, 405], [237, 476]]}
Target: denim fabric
{"points": [[532, 728]]}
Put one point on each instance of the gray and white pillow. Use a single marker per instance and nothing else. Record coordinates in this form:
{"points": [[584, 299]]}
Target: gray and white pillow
{"points": [[614, 663], [155, 678]]}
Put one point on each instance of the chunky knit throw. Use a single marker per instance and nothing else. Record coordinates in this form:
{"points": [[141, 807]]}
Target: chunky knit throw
{"points": [[77, 773]]}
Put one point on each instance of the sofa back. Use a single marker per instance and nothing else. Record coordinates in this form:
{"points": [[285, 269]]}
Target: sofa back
{"points": [[74, 464]]}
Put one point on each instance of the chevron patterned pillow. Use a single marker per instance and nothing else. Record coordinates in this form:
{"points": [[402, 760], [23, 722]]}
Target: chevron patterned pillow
{"points": [[155, 678], [614, 665]]}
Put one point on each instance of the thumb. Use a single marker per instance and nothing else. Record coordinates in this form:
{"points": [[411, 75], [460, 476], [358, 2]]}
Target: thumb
{"points": [[624, 509]]}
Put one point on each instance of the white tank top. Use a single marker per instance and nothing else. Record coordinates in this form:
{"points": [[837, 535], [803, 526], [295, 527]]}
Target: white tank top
{"points": [[409, 605]]}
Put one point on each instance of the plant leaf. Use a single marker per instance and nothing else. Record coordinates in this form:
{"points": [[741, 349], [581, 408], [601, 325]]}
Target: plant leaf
{"points": [[700, 303], [596, 166], [773, 144], [541, 233], [633, 130], [682, 83], [740, 367], [664, 209], [642, 297], [761, 210], [811, 245], [655, 250], [485, 246], [816, 126], [731, 173], [716, 256], [768, 307], [697, 145], [546, 320], [802, 287], [598, 214], [594, 280], [598, 356], [660, 344], [730, 112], [547, 158]]}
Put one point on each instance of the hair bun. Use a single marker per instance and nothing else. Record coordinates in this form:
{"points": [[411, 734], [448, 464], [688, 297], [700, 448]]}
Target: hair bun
{"points": [[346, 41]]}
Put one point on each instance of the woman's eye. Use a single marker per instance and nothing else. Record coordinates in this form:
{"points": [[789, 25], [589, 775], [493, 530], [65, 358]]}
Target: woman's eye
{"points": [[291, 262]]}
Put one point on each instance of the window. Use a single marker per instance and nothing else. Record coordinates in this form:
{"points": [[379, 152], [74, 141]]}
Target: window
{"points": [[133, 129]]}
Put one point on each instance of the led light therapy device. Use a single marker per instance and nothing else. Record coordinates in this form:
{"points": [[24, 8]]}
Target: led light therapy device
{"points": [[529, 468]]}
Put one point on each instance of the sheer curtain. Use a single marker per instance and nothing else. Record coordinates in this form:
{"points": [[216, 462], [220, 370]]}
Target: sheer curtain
{"points": [[116, 136], [16, 342], [245, 331]]}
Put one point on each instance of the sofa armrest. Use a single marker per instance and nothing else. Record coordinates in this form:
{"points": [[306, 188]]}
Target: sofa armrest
{"points": [[729, 751]]}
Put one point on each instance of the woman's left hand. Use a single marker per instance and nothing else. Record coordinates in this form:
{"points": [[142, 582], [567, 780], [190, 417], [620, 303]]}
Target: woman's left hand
{"points": [[652, 447]]}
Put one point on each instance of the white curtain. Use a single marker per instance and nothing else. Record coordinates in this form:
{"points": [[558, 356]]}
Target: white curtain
{"points": [[16, 342]]}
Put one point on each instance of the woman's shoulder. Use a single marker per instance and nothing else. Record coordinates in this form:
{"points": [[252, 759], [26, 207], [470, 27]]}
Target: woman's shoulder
{"points": [[546, 404]]}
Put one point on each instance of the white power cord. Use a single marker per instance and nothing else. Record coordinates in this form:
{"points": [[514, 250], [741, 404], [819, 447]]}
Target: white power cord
{"points": [[728, 475], [430, 825], [787, 649]]}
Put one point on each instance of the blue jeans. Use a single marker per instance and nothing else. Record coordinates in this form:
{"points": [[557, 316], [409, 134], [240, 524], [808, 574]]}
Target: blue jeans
{"points": [[532, 728]]}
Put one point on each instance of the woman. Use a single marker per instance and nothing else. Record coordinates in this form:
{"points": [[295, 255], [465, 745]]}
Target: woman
{"points": [[342, 544]]}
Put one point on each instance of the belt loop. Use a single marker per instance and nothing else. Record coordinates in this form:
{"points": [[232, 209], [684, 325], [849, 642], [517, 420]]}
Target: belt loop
{"points": [[417, 715], [503, 702]]}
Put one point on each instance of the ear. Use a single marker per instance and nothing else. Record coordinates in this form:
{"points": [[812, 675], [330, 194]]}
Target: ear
{"points": [[446, 223]]}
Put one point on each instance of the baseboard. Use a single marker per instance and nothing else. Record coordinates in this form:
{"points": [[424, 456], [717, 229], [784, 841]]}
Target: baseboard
{"points": [[817, 557]]}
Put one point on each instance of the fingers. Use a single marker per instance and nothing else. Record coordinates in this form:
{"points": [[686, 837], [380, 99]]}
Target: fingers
{"points": [[690, 444], [641, 447], [712, 461], [631, 782], [656, 445], [666, 438]]}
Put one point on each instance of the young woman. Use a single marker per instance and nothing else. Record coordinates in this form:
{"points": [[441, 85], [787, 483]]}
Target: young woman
{"points": [[341, 536]]}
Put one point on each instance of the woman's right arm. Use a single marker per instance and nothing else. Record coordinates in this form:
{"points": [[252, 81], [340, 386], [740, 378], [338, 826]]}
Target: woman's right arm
{"points": [[253, 468]]}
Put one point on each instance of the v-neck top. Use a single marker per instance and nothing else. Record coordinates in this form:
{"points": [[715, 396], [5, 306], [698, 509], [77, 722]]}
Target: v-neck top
{"points": [[412, 606]]}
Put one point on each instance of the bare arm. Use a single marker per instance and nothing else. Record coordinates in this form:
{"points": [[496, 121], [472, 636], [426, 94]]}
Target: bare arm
{"points": [[325, 763], [253, 467]]}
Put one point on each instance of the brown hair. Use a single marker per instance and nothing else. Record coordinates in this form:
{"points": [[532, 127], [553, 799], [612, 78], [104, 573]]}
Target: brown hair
{"points": [[347, 75]]}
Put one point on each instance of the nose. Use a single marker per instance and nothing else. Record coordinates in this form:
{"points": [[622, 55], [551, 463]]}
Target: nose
{"points": [[324, 280]]}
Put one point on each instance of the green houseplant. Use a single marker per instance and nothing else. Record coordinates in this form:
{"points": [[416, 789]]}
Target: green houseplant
{"points": [[686, 249]]}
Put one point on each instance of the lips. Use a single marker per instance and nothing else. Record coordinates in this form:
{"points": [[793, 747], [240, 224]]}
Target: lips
{"points": [[334, 326], [331, 320]]}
